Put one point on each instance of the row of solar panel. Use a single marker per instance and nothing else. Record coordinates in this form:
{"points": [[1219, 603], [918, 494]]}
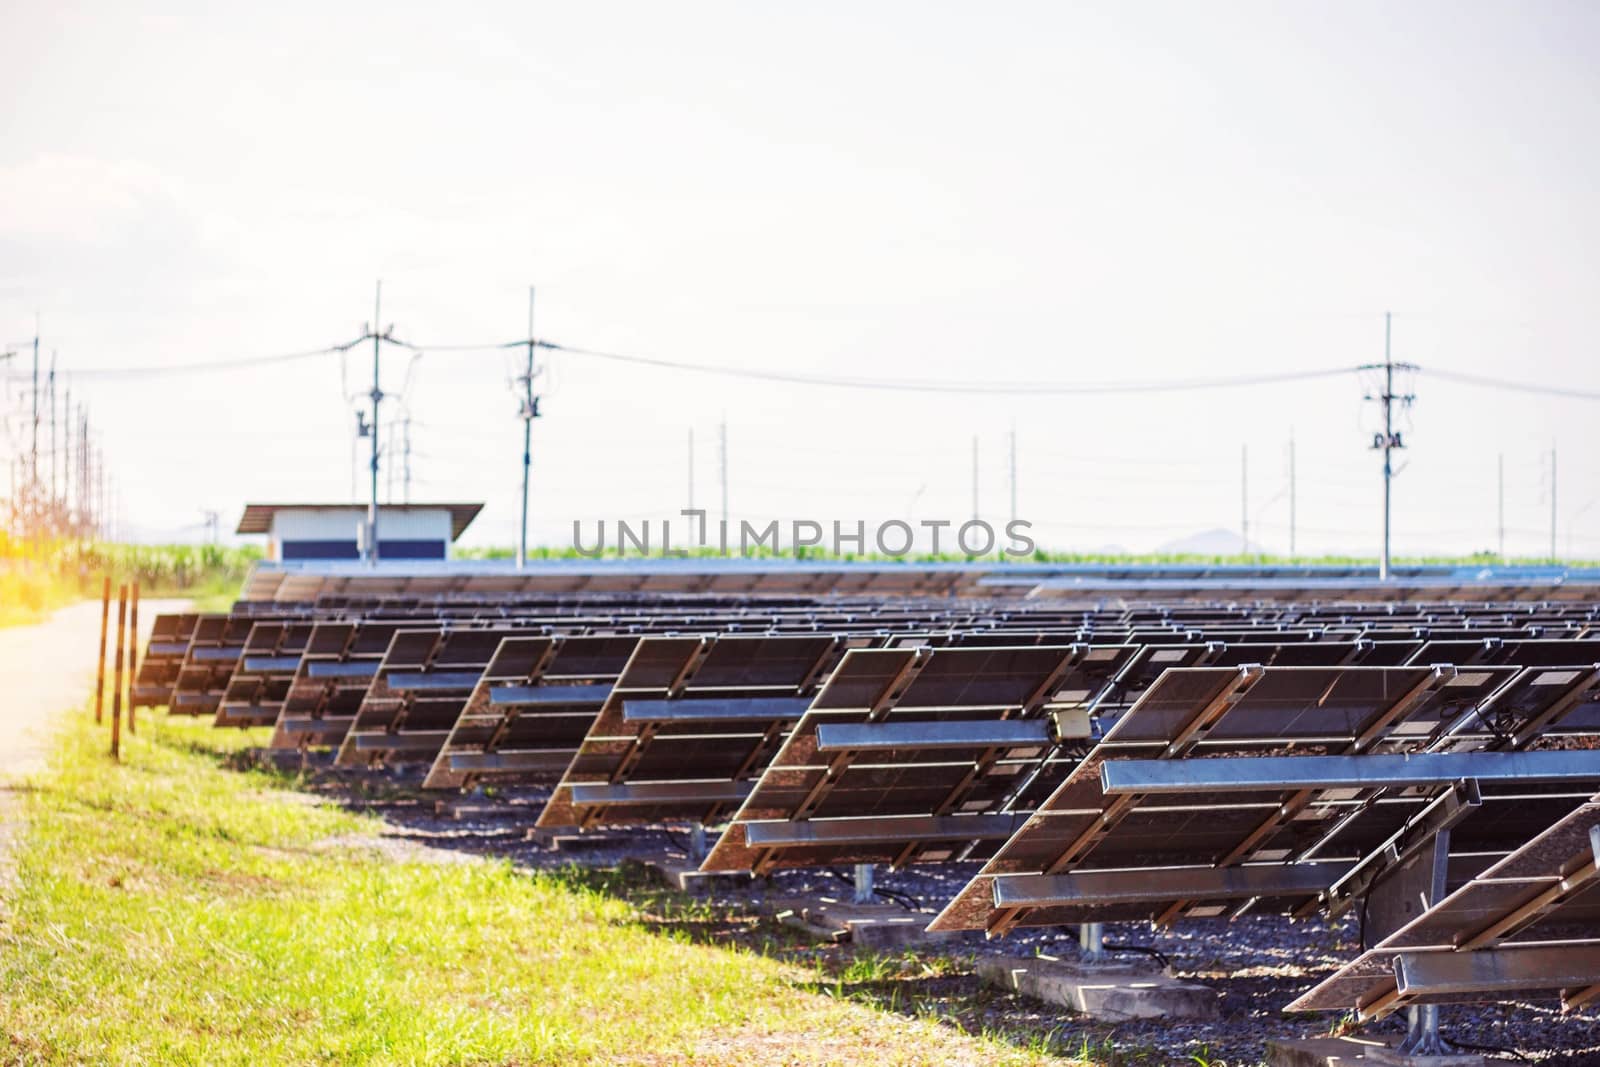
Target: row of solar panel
{"points": [[898, 746]]}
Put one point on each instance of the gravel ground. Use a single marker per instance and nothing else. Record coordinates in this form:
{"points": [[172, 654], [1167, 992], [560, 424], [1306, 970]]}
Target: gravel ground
{"points": [[1256, 964]]}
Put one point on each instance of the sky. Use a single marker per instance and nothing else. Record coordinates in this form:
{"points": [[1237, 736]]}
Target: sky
{"points": [[1066, 193]]}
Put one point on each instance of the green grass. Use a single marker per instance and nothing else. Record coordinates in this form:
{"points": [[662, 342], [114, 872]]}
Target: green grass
{"points": [[28, 595], [39, 576], [175, 909]]}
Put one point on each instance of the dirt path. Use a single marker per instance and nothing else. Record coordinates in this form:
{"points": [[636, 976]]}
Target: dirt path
{"points": [[47, 669]]}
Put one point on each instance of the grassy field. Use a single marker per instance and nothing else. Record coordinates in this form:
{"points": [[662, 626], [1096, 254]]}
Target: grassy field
{"points": [[36, 577], [179, 909], [27, 595]]}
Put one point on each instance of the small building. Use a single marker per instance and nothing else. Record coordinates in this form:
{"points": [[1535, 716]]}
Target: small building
{"points": [[335, 531]]}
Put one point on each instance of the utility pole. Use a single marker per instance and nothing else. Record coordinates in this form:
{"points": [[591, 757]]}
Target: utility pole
{"points": [[389, 449], [723, 435], [1013, 472], [33, 453], [66, 459], [1552, 503], [1501, 464], [85, 511], [974, 477], [377, 399], [1244, 500], [691, 468], [1292, 553], [51, 396], [407, 455], [529, 412], [1388, 440]]}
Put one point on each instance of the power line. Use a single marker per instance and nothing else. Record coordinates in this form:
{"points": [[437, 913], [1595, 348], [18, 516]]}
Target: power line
{"points": [[1513, 386], [925, 386], [841, 381], [216, 365]]}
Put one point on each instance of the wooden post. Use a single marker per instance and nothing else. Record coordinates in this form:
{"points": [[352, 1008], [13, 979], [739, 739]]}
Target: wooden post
{"points": [[100, 677], [116, 690], [133, 649]]}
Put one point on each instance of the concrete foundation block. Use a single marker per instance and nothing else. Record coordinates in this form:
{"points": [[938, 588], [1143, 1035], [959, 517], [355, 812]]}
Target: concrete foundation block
{"points": [[1110, 992], [876, 926], [677, 873], [469, 810], [1355, 1052], [572, 840], [1388, 1057]]}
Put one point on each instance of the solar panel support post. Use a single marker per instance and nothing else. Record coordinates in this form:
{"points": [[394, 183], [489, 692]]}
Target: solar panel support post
{"points": [[1422, 1033], [863, 884], [1092, 942]]}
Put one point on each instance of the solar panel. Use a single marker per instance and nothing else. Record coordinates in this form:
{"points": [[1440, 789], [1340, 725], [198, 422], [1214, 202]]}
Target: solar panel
{"points": [[260, 680], [1193, 715], [163, 657], [422, 684], [531, 709], [687, 727], [918, 755], [340, 659], [1529, 925]]}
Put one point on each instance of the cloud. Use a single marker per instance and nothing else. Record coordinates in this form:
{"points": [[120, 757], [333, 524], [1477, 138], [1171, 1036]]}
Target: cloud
{"points": [[84, 201]]}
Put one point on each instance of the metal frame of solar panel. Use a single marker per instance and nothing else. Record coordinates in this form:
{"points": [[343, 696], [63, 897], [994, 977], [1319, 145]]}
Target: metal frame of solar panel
{"points": [[214, 651], [339, 660], [266, 670], [164, 654], [1528, 925], [158, 670], [1250, 828], [489, 739], [416, 695], [531, 709], [919, 755], [687, 726], [174, 637], [422, 747], [255, 691]]}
